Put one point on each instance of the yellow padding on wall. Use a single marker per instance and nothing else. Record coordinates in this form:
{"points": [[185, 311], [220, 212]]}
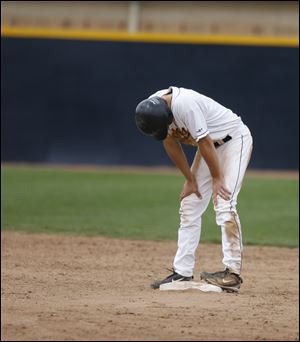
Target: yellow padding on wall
{"points": [[49, 33]]}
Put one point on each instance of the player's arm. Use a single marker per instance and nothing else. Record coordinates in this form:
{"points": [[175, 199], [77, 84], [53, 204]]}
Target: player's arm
{"points": [[196, 161], [177, 155], [186, 191], [208, 151]]}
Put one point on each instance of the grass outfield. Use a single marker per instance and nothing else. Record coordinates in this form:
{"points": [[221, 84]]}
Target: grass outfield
{"points": [[138, 205]]}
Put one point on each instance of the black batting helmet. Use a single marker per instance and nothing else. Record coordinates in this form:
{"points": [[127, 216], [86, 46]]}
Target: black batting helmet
{"points": [[153, 116]]}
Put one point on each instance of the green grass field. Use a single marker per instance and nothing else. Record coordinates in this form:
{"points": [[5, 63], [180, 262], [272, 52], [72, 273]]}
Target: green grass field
{"points": [[137, 205]]}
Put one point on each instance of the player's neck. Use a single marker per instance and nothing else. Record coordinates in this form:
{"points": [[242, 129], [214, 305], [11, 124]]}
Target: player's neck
{"points": [[168, 99]]}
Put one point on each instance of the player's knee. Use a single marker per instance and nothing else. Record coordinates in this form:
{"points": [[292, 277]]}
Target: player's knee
{"points": [[225, 216], [189, 205], [190, 212], [225, 211]]}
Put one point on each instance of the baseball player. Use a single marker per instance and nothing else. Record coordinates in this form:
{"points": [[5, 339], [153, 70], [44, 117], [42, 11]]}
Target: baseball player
{"points": [[224, 146]]}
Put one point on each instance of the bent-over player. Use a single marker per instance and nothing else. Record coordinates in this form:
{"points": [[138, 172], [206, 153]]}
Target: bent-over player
{"points": [[224, 145]]}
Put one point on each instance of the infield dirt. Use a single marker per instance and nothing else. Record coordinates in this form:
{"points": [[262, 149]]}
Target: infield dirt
{"points": [[67, 288]]}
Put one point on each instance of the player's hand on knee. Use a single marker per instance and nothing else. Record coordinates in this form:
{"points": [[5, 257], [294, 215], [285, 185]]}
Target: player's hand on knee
{"points": [[190, 187], [219, 189]]}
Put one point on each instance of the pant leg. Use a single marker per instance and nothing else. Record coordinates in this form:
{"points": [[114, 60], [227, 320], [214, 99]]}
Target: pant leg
{"points": [[191, 210], [234, 157]]}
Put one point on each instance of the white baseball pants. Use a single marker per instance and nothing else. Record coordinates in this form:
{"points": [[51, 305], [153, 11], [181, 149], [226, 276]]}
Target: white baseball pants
{"points": [[234, 157]]}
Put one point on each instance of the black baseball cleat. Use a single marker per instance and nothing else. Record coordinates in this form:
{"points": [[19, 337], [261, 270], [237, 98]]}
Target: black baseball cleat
{"points": [[227, 280], [174, 277]]}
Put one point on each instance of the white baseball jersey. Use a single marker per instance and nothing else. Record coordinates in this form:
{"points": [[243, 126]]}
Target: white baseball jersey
{"points": [[196, 116]]}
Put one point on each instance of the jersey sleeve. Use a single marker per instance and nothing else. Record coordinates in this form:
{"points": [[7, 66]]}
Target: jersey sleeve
{"points": [[195, 121]]}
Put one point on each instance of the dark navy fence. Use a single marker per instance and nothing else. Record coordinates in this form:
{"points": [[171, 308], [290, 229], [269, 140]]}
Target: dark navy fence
{"points": [[67, 101]]}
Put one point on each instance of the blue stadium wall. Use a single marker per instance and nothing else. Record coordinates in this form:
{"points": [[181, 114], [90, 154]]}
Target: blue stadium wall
{"points": [[73, 102]]}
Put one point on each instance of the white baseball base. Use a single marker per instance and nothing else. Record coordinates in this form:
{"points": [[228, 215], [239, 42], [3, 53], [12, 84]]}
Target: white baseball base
{"points": [[186, 285]]}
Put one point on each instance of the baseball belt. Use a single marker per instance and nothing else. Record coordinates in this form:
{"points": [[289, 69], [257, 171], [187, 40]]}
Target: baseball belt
{"points": [[220, 142]]}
